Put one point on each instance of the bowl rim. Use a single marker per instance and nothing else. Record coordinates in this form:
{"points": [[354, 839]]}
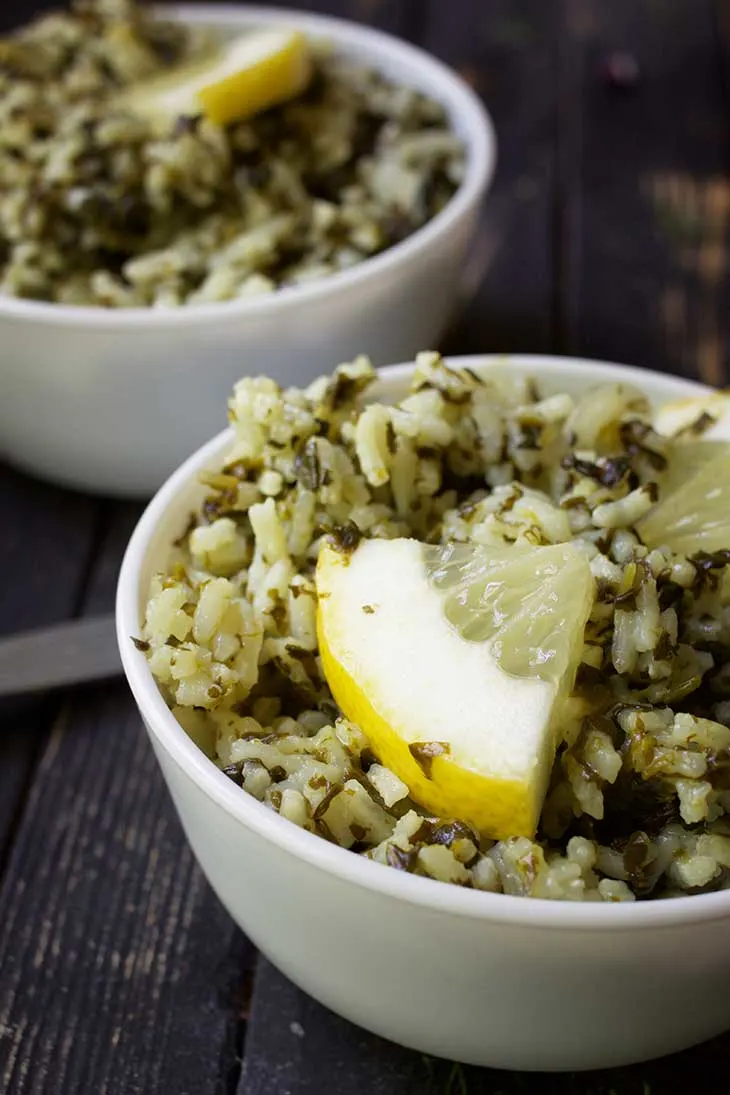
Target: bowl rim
{"points": [[479, 136], [332, 859]]}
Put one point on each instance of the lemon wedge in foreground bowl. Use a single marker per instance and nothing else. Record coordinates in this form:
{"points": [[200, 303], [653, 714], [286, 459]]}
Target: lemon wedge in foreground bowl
{"points": [[698, 430], [687, 456], [704, 415], [240, 78], [695, 516], [454, 661]]}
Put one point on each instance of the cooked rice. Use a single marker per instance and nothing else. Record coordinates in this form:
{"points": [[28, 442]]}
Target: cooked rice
{"points": [[640, 796], [99, 208]]}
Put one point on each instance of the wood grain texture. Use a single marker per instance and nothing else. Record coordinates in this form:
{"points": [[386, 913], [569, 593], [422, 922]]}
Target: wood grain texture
{"points": [[647, 187], [721, 12], [297, 1047], [46, 536], [390, 15], [121, 973], [13, 13], [506, 49]]}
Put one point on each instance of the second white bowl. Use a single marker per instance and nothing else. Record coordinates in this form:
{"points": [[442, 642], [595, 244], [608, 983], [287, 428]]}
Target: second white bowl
{"points": [[112, 401]]}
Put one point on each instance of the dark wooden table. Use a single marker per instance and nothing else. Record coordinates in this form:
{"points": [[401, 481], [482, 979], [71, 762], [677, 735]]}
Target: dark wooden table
{"points": [[608, 228]]}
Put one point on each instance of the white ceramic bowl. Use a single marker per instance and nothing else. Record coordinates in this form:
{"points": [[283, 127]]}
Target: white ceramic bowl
{"points": [[114, 400], [482, 978]]}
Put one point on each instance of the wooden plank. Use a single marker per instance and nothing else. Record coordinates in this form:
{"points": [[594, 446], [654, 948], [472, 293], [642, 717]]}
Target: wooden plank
{"points": [[722, 25], [17, 12], [506, 50], [390, 15], [650, 195], [120, 972], [721, 11], [297, 1047], [45, 539]]}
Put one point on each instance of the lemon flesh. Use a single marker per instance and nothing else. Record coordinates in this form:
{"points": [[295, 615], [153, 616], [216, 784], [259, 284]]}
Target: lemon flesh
{"points": [[691, 514], [696, 516], [686, 457], [469, 724], [239, 79], [705, 415]]}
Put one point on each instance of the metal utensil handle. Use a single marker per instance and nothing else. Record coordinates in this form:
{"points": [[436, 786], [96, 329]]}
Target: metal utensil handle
{"points": [[70, 653]]}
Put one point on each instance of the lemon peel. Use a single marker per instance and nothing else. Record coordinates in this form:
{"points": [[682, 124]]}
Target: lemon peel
{"points": [[238, 79]]}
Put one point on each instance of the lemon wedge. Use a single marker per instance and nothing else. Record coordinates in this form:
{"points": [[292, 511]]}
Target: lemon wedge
{"points": [[454, 662], [238, 79], [698, 430], [695, 516], [686, 456], [693, 510], [707, 416]]}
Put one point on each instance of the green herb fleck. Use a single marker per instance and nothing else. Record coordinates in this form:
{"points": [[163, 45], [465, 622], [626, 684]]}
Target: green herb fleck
{"points": [[400, 859], [424, 752], [345, 538]]}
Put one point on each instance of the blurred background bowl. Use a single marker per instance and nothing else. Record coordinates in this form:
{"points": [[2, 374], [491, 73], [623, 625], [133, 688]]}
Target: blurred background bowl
{"points": [[112, 400]]}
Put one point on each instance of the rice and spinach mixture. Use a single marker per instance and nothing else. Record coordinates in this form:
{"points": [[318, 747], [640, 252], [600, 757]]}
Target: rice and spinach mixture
{"points": [[98, 207], [641, 782]]}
